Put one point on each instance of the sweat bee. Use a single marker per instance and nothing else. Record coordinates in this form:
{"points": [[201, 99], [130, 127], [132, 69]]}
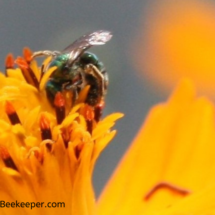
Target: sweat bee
{"points": [[77, 68]]}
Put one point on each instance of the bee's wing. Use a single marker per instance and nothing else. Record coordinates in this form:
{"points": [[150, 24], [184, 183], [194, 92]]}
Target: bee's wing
{"points": [[85, 42]]}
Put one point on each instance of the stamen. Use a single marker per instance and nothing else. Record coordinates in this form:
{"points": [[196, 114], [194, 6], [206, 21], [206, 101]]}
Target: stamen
{"points": [[11, 113], [9, 62], [45, 128], [59, 103], [27, 53], [89, 113], [89, 126], [27, 72], [5, 156], [48, 144], [42, 71], [37, 153], [78, 149], [66, 136], [89, 116], [98, 110], [21, 63], [166, 185]]}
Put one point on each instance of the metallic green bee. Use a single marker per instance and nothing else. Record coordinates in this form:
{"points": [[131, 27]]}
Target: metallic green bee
{"points": [[77, 69]]}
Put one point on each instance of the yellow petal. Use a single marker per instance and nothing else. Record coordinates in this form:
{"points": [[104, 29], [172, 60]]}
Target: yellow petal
{"points": [[173, 149]]}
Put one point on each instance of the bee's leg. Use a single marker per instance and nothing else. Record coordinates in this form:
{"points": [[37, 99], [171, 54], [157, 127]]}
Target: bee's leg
{"points": [[45, 53], [98, 110], [102, 82], [106, 80], [94, 71], [51, 90]]}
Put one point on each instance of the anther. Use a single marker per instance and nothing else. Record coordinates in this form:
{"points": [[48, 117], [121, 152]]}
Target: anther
{"points": [[65, 136], [89, 113], [27, 72], [59, 103], [78, 150], [27, 53], [5, 156], [11, 113], [89, 126], [9, 62], [45, 128], [89, 116], [21, 63]]}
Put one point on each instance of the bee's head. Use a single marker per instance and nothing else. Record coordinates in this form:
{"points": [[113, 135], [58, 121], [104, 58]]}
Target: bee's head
{"points": [[88, 58]]}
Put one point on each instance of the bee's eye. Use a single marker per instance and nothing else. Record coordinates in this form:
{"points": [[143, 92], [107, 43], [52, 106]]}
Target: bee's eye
{"points": [[88, 58]]}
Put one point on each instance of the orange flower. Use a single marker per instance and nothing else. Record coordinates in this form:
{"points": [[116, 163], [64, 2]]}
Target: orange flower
{"points": [[178, 42]]}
